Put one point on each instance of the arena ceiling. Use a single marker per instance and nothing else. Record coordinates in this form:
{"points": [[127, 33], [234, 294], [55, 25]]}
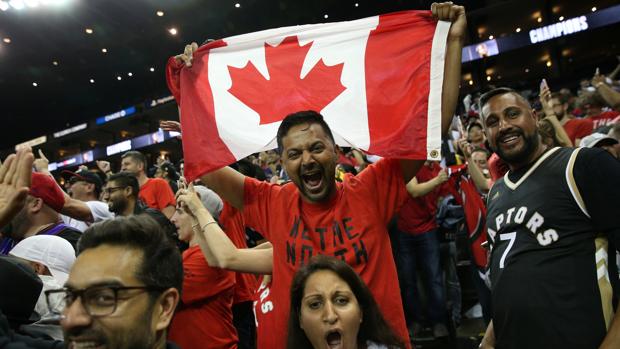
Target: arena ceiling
{"points": [[63, 62]]}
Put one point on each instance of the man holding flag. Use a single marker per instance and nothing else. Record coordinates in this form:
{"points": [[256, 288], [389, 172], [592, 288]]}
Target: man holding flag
{"points": [[409, 82]]}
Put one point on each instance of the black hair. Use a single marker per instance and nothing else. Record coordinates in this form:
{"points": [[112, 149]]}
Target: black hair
{"points": [[302, 117], [170, 171], [247, 168], [373, 327], [136, 156], [161, 267], [484, 99], [126, 179]]}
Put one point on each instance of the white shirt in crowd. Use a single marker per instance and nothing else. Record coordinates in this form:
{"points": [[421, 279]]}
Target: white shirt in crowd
{"points": [[98, 209]]}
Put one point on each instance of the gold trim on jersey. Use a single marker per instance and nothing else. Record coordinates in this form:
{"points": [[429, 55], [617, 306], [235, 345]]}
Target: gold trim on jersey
{"points": [[540, 160], [602, 275], [572, 184]]}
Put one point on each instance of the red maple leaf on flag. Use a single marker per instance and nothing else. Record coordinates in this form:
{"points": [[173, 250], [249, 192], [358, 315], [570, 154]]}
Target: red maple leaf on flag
{"points": [[285, 92]]}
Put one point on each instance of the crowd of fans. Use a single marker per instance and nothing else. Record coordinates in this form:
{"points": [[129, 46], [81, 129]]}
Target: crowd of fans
{"points": [[208, 265]]}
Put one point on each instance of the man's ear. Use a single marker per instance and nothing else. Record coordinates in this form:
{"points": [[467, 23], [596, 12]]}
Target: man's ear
{"points": [[535, 114], [35, 205], [164, 308]]}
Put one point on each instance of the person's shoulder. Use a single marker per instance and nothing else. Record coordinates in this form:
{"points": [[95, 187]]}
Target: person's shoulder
{"points": [[156, 182]]}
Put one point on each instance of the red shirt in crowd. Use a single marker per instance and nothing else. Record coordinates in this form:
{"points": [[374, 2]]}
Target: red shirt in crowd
{"points": [[232, 221], [263, 313], [578, 128], [157, 194], [417, 216], [204, 318], [351, 226], [605, 118]]}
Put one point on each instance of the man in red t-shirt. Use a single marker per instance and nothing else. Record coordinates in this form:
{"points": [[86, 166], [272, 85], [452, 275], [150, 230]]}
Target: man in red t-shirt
{"points": [[594, 104], [315, 215], [418, 248], [155, 192], [575, 128]]}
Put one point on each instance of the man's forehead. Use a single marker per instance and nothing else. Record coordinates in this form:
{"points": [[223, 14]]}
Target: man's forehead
{"points": [[303, 132], [105, 263], [500, 102]]}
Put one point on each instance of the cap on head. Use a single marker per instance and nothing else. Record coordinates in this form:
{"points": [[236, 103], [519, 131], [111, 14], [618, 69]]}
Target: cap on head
{"points": [[86, 176], [45, 188], [597, 140], [210, 200], [54, 252]]}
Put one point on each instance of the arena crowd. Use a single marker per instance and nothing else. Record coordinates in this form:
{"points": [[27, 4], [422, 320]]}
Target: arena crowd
{"points": [[526, 184]]}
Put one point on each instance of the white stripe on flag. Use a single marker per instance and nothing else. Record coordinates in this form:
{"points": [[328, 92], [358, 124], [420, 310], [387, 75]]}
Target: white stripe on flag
{"points": [[438, 56]]}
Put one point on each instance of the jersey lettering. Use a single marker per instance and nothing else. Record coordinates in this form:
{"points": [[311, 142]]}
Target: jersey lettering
{"points": [[534, 224]]}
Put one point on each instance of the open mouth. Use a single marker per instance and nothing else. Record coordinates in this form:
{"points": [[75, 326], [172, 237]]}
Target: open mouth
{"points": [[313, 180], [334, 339]]}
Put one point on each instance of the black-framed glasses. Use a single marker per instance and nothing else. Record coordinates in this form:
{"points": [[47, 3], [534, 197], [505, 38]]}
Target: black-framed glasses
{"points": [[111, 190], [96, 300]]}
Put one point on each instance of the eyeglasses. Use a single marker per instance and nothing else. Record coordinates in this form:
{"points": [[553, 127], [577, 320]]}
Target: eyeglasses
{"points": [[111, 190], [96, 300]]}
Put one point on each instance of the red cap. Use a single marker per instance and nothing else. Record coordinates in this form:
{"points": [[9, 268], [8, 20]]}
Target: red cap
{"points": [[45, 188]]}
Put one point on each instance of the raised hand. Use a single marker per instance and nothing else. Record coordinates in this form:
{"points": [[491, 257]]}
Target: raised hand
{"points": [[188, 199], [41, 164], [188, 54], [15, 175], [104, 166], [447, 11], [170, 125], [545, 98], [465, 147]]}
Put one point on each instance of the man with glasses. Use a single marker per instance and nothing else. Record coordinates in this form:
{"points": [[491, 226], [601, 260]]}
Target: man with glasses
{"points": [[123, 288], [121, 194]]}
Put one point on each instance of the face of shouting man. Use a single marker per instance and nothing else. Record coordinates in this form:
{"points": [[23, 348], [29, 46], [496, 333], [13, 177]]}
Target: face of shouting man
{"points": [[309, 158]]}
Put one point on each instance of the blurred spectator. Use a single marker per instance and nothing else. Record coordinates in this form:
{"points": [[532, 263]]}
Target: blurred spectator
{"points": [[20, 290], [418, 248], [51, 258], [475, 136], [82, 207], [155, 192], [168, 172], [40, 215], [595, 108], [599, 140]]}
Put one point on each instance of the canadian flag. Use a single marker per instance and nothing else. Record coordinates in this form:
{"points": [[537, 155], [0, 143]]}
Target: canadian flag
{"points": [[377, 82]]}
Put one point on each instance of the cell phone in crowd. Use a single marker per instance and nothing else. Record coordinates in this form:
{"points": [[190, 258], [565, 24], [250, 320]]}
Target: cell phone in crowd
{"points": [[597, 71], [543, 84]]}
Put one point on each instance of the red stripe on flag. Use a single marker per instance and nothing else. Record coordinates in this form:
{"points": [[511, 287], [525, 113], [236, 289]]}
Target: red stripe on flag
{"points": [[203, 149], [397, 67]]}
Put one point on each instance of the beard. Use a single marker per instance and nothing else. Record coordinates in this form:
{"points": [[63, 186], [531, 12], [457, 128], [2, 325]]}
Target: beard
{"points": [[530, 144], [117, 206]]}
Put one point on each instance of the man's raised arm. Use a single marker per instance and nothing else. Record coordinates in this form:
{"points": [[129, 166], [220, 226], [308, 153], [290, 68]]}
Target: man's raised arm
{"points": [[227, 183]]}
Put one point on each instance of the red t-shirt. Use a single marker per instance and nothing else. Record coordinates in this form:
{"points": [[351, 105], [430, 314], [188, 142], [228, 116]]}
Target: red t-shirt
{"points": [[266, 332], [351, 226], [605, 118], [204, 317], [234, 226], [157, 194], [578, 128], [417, 216]]}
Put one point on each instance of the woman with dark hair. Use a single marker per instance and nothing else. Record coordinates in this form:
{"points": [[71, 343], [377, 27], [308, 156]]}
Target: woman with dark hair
{"points": [[331, 307]]}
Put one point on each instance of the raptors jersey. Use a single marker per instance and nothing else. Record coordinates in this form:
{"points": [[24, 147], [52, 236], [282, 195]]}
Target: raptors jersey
{"points": [[548, 266]]}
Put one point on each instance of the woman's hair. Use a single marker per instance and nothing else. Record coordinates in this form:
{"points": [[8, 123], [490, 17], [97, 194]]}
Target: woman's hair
{"points": [[547, 133], [373, 327]]}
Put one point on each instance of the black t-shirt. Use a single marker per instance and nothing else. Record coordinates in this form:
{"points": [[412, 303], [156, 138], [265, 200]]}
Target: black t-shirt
{"points": [[547, 226]]}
